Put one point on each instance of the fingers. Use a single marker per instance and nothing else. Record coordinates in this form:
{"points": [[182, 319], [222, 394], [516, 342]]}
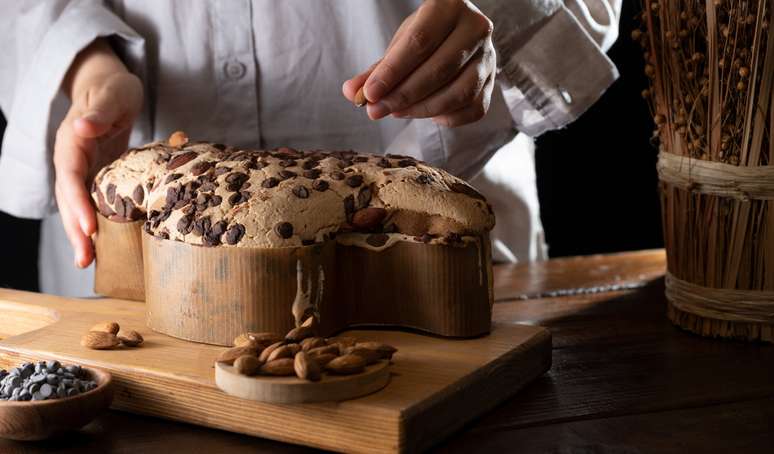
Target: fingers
{"points": [[422, 36], [441, 68], [472, 113], [81, 243], [460, 93], [351, 86]]}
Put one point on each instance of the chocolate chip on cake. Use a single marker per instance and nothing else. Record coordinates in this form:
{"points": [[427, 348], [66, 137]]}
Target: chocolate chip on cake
{"points": [[221, 170], [320, 185], [360, 159], [337, 175], [384, 162], [138, 194], [238, 197], [110, 192], [270, 182], [312, 173], [354, 181], [284, 230], [377, 239], [287, 174], [172, 177], [201, 225], [301, 192], [364, 196], [181, 159], [424, 179], [236, 180], [215, 201], [234, 234], [349, 206], [201, 167], [310, 164], [406, 163], [185, 224]]}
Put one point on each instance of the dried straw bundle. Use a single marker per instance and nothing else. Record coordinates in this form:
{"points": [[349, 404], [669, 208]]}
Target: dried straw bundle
{"points": [[711, 66]]}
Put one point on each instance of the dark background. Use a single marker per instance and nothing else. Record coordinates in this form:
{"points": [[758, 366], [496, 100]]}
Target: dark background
{"points": [[596, 178]]}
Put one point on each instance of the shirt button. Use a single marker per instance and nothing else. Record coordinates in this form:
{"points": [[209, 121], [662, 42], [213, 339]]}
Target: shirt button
{"points": [[566, 97], [234, 69]]}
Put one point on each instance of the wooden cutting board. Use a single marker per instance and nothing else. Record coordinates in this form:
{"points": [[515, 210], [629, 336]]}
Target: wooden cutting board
{"points": [[437, 385]]}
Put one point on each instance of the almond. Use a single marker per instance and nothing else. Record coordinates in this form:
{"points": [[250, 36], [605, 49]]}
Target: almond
{"points": [[300, 333], [312, 342], [99, 340], [385, 351], [230, 355], [325, 349], [178, 139], [282, 366], [323, 358], [247, 365], [370, 356], [130, 338], [283, 351], [261, 339], [107, 327], [306, 368], [360, 99], [244, 341], [346, 365], [342, 341], [264, 356], [368, 218]]}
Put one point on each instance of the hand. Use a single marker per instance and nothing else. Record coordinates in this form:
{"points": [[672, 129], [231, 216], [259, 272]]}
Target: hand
{"points": [[440, 64], [106, 100]]}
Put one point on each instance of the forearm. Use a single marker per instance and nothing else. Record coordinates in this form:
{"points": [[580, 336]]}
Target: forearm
{"points": [[94, 63]]}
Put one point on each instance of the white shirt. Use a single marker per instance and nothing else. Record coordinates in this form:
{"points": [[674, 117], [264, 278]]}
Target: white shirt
{"points": [[262, 73]]}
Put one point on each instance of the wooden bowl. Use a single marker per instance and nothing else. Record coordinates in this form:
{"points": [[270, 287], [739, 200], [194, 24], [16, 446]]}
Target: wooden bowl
{"points": [[37, 420]]}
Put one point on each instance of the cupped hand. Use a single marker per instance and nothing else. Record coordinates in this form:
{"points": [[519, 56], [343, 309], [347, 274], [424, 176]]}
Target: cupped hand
{"points": [[95, 130], [441, 64]]}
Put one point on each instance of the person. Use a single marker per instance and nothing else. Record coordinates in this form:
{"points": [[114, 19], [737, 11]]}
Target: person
{"points": [[459, 84]]}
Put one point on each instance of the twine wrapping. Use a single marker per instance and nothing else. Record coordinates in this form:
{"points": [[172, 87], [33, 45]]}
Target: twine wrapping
{"points": [[717, 178], [756, 306]]}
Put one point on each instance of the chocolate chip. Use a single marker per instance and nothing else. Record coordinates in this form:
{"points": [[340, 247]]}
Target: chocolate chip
{"points": [[270, 182], [337, 175], [215, 200], [310, 164], [467, 190], [354, 181], [164, 235], [312, 174], [219, 228], [287, 174], [201, 225], [424, 179], [360, 159], [235, 233], [201, 167], [119, 207], [364, 196], [377, 239], [236, 180], [453, 238], [384, 162], [307, 242], [349, 206], [138, 194], [221, 170], [287, 163], [181, 159], [111, 193], [284, 230], [406, 163], [425, 238], [320, 185], [301, 192], [219, 146], [208, 186], [238, 197], [185, 224], [172, 177], [345, 163], [131, 211]]}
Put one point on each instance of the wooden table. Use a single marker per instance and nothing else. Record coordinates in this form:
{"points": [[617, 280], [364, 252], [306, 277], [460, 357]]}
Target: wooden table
{"points": [[624, 380]]}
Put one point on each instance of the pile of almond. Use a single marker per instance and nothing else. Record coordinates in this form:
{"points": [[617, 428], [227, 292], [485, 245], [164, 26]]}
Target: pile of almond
{"points": [[302, 353], [108, 335]]}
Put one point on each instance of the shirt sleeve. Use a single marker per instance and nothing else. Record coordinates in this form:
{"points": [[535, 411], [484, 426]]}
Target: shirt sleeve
{"points": [[551, 57], [42, 39]]}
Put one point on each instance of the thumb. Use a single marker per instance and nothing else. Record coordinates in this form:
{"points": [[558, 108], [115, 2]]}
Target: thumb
{"points": [[107, 109]]}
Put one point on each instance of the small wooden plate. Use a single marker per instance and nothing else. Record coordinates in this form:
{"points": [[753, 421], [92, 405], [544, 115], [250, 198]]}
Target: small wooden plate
{"points": [[293, 390], [37, 420]]}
